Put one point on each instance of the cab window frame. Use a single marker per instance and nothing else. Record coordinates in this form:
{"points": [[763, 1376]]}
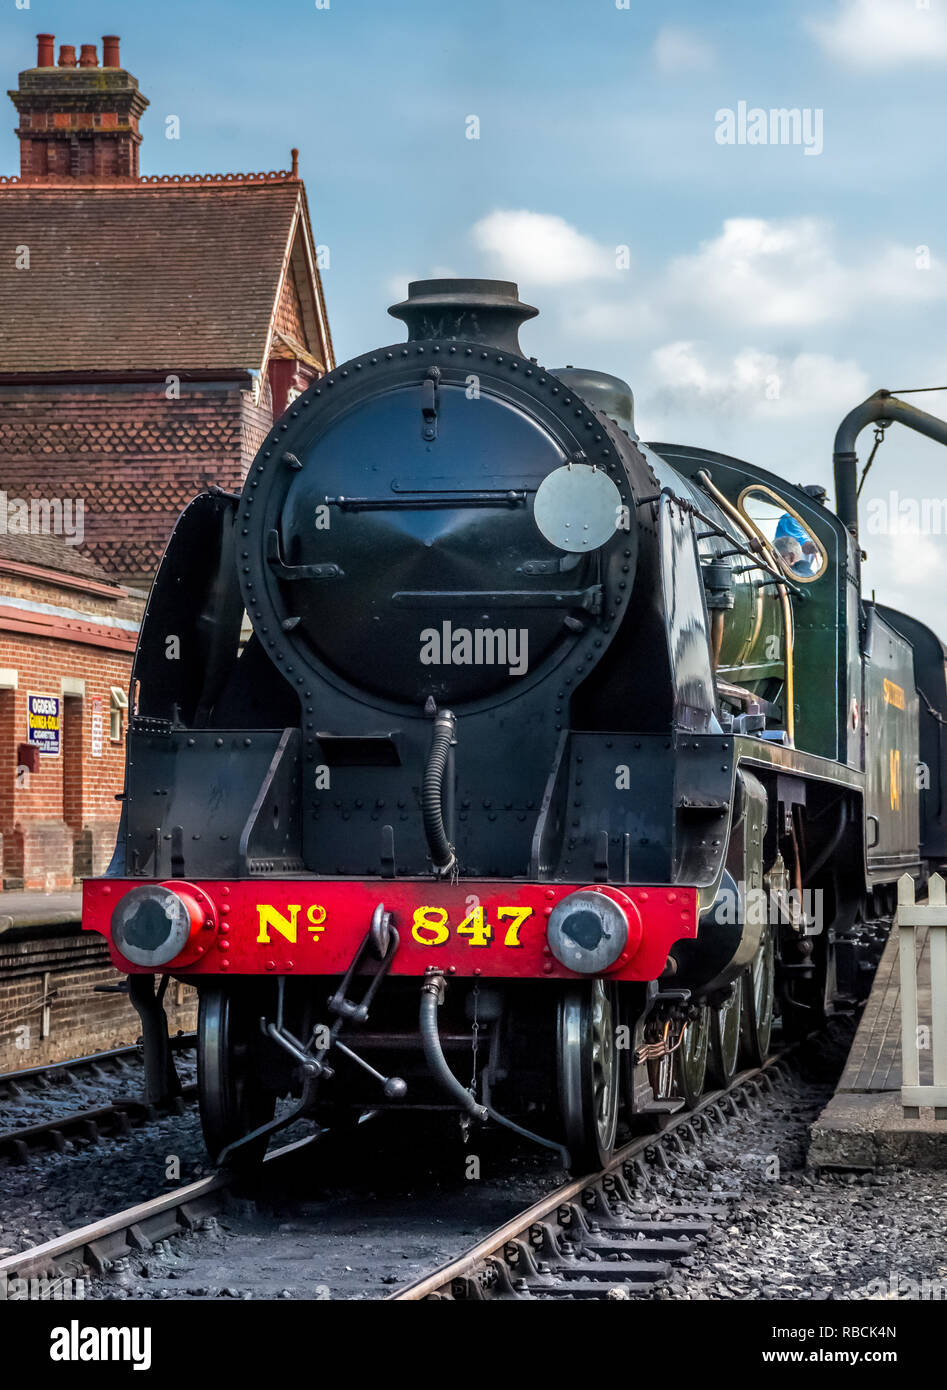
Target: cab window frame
{"points": [[788, 508]]}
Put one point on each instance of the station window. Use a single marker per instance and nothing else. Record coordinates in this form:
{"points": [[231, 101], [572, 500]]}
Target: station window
{"points": [[800, 554], [117, 713]]}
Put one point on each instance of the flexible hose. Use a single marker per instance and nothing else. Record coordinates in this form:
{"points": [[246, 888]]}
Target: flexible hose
{"points": [[432, 793], [560, 1149], [437, 1062]]}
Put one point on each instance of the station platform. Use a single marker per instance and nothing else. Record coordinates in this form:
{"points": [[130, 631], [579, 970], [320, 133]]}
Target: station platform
{"points": [[864, 1125], [19, 909]]}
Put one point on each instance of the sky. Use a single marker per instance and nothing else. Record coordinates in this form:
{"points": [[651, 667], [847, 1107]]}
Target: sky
{"points": [[751, 290]]}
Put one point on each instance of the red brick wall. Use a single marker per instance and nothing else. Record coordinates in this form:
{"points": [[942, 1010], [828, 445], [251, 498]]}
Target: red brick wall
{"points": [[256, 421], [40, 850], [59, 823], [8, 764], [80, 1020], [105, 157], [289, 310], [134, 456]]}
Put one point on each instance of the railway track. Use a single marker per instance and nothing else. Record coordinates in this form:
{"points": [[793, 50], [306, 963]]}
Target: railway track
{"points": [[113, 1119], [103, 1066], [606, 1236], [119, 1117], [94, 1248], [597, 1237]]}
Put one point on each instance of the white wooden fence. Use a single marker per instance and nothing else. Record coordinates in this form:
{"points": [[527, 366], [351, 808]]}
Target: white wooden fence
{"points": [[917, 1035]]}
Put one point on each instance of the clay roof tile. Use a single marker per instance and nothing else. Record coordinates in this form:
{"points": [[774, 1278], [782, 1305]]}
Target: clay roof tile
{"points": [[174, 277]]}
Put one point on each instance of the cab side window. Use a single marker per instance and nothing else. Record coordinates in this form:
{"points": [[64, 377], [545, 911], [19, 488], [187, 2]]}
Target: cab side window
{"points": [[797, 549]]}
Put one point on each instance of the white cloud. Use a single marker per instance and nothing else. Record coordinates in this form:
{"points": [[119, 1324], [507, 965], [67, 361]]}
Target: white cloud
{"points": [[615, 320], [787, 274], [681, 50], [397, 284], [909, 572], [762, 272], [757, 273], [905, 274], [764, 385], [883, 33], [540, 248]]}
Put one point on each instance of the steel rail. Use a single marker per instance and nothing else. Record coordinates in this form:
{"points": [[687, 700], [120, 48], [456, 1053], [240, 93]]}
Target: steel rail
{"points": [[136, 1228], [490, 1250], [640, 1260], [117, 1118], [90, 1061]]}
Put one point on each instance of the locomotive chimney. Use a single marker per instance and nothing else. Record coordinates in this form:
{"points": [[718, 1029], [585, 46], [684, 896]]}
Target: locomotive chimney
{"points": [[45, 50], [472, 311]]}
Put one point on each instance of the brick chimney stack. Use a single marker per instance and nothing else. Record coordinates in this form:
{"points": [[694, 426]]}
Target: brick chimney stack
{"points": [[78, 121]]}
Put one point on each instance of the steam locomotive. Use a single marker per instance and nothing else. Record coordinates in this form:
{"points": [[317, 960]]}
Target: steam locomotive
{"points": [[484, 756]]}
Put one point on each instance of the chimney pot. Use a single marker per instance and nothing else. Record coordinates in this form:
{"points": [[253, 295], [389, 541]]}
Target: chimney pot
{"points": [[92, 135], [110, 58], [476, 311], [294, 156]]}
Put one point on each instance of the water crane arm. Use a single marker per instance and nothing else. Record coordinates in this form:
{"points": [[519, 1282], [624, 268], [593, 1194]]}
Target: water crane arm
{"points": [[881, 406]]}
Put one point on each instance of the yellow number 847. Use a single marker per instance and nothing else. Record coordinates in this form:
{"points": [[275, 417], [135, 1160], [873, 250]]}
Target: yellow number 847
{"points": [[431, 927]]}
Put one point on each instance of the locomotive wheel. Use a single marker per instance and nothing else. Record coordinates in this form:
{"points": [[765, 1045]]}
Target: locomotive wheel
{"points": [[758, 993], [588, 1065], [690, 1059], [725, 1029], [233, 1100]]}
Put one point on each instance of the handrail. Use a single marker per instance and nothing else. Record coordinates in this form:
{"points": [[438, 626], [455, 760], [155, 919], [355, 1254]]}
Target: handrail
{"points": [[749, 528]]}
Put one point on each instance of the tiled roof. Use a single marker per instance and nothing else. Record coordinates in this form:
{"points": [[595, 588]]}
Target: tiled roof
{"points": [[172, 277], [50, 553]]}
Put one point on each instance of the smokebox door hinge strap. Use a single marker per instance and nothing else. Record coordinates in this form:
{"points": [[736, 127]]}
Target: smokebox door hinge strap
{"points": [[279, 567], [429, 403]]}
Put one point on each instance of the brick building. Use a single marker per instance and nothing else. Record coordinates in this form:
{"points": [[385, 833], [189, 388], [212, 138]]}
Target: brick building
{"points": [[67, 635], [151, 328]]}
